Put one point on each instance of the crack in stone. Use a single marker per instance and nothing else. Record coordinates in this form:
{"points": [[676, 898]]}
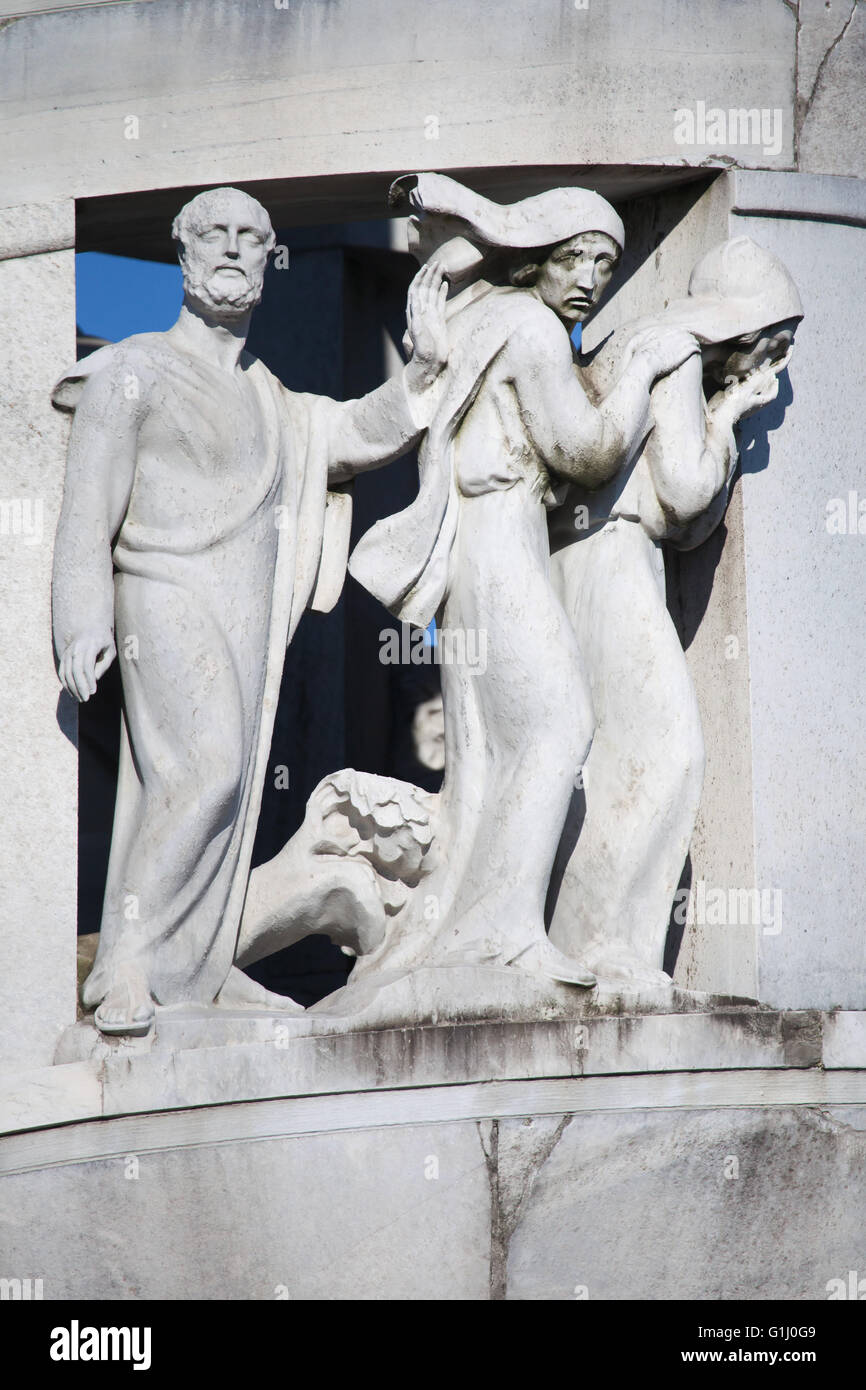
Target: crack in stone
{"points": [[505, 1214], [829, 1123], [794, 7], [804, 104]]}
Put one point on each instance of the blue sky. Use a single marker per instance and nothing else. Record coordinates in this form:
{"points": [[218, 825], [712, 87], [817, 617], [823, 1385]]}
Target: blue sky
{"points": [[118, 295]]}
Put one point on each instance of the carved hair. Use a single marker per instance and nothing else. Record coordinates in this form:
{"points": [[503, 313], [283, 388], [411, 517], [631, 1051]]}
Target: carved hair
{"points": [[525, 267], [201, 210]]}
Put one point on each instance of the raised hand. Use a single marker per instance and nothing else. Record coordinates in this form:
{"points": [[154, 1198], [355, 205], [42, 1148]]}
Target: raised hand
{"points": [[745, 396], [661, 349], [425, 317]]}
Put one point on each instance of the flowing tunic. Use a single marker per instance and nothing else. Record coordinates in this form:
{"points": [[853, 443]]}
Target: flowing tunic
{"points": [[229, 534], [472, 550]]}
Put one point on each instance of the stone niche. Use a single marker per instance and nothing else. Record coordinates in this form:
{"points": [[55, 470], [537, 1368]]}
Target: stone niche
{"points": [[444, 1142]]}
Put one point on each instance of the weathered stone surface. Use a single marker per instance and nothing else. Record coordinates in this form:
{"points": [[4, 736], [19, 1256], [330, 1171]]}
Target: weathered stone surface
{"points": [[393, 1214], [429, 1141], [845, 1039], [820, 28], [707, 1205], [36, 227], [806, 636], [185, 451], [49, 1095], [831, 96], [823, 197], [706, 594], [39, 730], [341, 88], [746, 1184], [773, 638], [220, 1056]]}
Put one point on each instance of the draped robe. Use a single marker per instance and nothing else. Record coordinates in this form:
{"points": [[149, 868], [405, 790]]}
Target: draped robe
{"points": [[472, 551], [224, 542]]}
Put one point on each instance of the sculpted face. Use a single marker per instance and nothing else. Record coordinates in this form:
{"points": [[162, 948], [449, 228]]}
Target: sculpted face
{"points": [[576, 274], [428, 733], [226, 238], [740, 356]]}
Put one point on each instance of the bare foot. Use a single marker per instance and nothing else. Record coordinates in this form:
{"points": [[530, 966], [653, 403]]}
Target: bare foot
{"points": [[240, 989], [543, 958], [615, 962], [127, 1008]]}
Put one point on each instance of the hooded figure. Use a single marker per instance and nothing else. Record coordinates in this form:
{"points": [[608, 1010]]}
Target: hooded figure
{"points": [[512, 426], [631, 822]]}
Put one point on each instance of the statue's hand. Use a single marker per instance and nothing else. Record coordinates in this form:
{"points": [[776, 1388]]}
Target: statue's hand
{"points": [[425, 316], [746, 396], [661, 350], [84, 661]]}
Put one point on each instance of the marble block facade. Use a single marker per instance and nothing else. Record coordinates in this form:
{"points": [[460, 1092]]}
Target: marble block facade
{"points": [[440, 1137]]}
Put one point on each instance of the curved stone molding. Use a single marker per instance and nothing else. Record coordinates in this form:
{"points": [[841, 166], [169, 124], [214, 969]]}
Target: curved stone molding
{"points": [[677, 1186], [266, 1057]]}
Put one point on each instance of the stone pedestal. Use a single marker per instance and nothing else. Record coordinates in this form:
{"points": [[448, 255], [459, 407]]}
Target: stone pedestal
{"points": [[696, 1155]]}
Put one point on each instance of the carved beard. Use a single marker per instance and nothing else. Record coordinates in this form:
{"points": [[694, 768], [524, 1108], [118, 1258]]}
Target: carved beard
{"points": [[231, 301]]}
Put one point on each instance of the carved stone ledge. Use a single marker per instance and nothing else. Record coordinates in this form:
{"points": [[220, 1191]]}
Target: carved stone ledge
{"points": [[196, 1059]]}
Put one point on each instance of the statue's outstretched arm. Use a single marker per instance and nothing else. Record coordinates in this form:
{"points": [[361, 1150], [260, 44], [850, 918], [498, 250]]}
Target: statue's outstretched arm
{"points": [[381, 426]]}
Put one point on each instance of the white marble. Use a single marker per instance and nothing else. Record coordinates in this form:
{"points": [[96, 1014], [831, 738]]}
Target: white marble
{"points": [[469, 1130], [730, 1184], [196, 528], [633, 815], [515, 423], [214, 1057], [766, 607], [845, 1039], [803, 590], [245, 100], [38, 739], [361, 852], [721, 1210], [36, 228]]}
